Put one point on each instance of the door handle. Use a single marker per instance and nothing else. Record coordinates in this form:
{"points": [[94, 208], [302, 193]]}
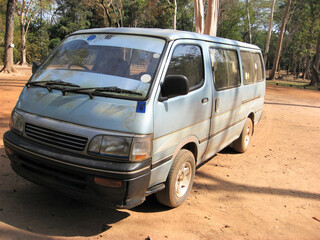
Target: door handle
{"points": [[204, 100], [217, 105]]}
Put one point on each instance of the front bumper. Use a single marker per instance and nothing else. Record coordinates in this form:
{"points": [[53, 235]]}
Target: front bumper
{"points": [[73, 174]]}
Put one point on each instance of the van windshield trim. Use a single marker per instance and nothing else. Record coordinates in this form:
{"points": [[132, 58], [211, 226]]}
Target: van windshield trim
{"points": [[143, 81]]}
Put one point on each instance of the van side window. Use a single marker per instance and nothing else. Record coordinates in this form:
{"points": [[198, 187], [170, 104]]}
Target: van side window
{"points": [[225, 67], [187, 60], [252, 67]]}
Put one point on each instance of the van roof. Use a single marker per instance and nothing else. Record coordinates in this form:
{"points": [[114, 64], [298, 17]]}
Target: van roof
{"points": [[167, 34]]}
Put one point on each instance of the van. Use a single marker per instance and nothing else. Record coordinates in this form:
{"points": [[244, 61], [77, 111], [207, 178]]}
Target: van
{"points": [[113, 115]]}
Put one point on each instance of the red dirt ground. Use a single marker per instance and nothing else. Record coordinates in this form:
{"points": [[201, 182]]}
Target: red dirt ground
{"points": [[270, 192]]}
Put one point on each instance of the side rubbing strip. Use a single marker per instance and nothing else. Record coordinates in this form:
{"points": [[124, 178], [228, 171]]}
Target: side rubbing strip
{"points": [[160, 162], [203, 140], [224, 129], [250, 99]]}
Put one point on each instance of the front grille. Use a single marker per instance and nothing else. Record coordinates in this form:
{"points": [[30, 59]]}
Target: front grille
{"points": [[56, 138]]}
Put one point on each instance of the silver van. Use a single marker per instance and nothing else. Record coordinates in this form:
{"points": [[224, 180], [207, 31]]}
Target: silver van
{"points": [[114, 115]]}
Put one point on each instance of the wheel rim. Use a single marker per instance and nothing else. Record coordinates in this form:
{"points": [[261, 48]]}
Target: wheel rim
{"points": [[248, 136], [183, 179]]}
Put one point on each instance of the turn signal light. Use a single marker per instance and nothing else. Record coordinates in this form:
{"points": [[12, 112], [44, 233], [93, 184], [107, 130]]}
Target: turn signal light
{"points": [[9, 151], [105, 182]]}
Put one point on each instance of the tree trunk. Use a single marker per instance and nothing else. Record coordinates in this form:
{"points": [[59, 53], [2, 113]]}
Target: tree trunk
{"points": [[249, 23], [212, 18], [8, 54], [280, 40], [106, 11], [310, 31], [299, 68], [199, 16], [23, 60], [175, 15], [315, 78], [269, 33], [294, 63], [307, 70]]}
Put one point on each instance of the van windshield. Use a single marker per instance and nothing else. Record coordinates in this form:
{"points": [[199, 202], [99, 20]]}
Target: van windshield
{"points": [[104, 60]]}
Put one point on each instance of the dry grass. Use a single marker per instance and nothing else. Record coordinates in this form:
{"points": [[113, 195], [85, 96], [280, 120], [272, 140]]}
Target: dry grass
{"points": [[289, 80]]}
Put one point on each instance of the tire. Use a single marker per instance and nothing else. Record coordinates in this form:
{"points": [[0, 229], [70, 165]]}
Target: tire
{"points": [[242, 143], [179, 181]]}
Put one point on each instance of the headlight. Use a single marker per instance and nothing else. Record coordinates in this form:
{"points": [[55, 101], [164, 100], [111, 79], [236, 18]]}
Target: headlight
{"points": [[16, 122], [134, 149]]}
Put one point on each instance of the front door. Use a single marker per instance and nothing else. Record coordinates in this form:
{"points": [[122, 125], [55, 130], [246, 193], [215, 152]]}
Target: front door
{"points": [[183, 117]]}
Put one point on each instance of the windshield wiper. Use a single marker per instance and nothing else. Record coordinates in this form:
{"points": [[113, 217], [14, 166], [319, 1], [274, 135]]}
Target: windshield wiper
{"points": [[100, 91], [49, 84], [116, 90]]}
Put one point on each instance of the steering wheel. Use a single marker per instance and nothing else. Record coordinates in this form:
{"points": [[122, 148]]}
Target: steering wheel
{"points": [[78, 64]]}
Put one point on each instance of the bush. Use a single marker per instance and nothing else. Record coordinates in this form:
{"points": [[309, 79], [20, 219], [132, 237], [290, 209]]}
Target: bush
{"points": [[53, 43]]}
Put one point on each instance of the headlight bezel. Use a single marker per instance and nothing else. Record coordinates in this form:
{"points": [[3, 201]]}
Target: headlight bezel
{"points": [[16, 123], [135, 149]]}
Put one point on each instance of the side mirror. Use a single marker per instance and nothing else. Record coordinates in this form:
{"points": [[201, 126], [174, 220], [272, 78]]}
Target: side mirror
{"points": [[174, 85], [35, 66]]}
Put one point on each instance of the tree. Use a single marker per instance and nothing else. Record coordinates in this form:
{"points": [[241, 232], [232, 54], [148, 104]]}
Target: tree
{"points": [[199, 16], [211, 23], [26, 11], [249, 23], [301, 35], [185, 15], [266, 52], [230, 15], [315, 80], [280, 40], [72, 15], [8, 56], [134, 13], [175, 14], [38, 41], [312, 13], [113, 8]]}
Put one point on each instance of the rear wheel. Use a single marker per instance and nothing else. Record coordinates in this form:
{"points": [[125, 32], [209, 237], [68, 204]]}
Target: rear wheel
{"points": [[242, 143], [179, 181]]}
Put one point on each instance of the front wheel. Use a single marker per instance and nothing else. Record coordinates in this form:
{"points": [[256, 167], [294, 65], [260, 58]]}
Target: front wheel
{"points": [[179, 181], [242, 143]]}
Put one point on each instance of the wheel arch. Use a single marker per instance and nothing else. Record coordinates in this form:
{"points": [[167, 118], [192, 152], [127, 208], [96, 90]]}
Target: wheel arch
{"points": [[193, 148], [191, 143], [252, 117]]}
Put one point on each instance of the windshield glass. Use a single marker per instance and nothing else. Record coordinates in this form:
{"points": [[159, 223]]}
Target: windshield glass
{"points": [[104, 60]]}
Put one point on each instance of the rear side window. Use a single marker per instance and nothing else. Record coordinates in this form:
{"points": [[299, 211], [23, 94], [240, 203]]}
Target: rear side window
{"points": [[187, 60], [225, 67], [252, 67]]}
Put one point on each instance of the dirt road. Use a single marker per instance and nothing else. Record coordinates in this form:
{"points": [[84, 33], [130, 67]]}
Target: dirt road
{"points": [[270, 192]]}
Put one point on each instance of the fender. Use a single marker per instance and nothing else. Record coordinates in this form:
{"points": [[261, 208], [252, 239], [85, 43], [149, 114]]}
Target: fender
{"points": [[190, 139]]}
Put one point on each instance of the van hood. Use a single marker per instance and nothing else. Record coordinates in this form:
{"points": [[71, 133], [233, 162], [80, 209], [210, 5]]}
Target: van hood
{"points": [[100, 112]]}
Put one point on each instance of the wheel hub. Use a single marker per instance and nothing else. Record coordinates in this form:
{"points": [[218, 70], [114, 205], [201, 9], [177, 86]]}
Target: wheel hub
{"points": [[183, 179]]}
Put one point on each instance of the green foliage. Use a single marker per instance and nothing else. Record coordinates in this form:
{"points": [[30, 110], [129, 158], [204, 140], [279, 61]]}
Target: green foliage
{"points": [[72, 16], [301, 35], [229, 23], [134, 13], [185, 14], [233, 23], [3, 6], [53, 43], [66, 16], [38, 42], [159, 14]]}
